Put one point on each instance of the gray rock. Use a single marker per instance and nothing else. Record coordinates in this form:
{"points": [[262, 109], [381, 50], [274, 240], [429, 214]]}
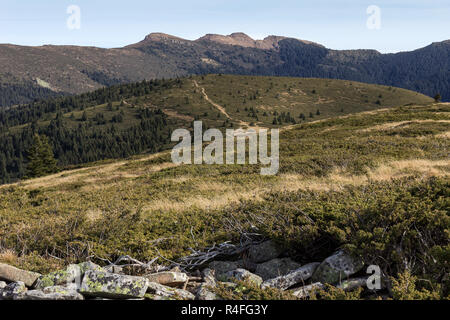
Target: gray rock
{"points": [[209, 277], [110, 285], [72, 273], [204, 292], [53, 293], [242, 274], [13, 274], [88, 265], [307, 291], [222, 267], [295, 277], [13, 291], [60, 277], [264, 251], [160, 290], [276, 267], [336, 268], [171, 279], [2, 284]]}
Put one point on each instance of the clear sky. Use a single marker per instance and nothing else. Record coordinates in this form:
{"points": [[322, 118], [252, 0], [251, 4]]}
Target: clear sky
{"points": [[337, 24]]}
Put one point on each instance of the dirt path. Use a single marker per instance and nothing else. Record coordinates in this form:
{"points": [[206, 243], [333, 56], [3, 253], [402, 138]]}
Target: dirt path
{"points": [[218, 106], [224, 112]]}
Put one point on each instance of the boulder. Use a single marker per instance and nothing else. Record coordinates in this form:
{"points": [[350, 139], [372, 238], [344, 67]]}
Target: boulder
{"points": [[159, 290], [53, 293], [2, 284], [264, 251], [295, 277], [276, 267], [171, 279], [222, 267], [336, 268], [242, 274], [72, 273], [115, 286], [13, 291], [60, 277], [306, 291], [13, 274], [205, 290]]}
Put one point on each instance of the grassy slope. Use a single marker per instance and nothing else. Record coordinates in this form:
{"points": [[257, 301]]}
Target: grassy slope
{"points": [[185, 103], [123, 206]]}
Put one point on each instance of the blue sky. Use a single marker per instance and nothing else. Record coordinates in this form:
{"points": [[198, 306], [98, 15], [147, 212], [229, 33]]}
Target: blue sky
{"points": [[337, 24]]}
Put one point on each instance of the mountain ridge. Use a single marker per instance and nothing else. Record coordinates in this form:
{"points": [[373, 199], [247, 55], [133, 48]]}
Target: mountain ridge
{"points": [[75, 69]]}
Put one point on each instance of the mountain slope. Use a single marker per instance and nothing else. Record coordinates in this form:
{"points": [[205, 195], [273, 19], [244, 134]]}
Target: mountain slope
{"points": [[369, 182], [71, 69], [125, 120]]}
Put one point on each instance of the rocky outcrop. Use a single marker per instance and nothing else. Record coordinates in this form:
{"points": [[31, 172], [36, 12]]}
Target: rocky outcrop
{"points": [[307, 291], [242, 274], [297, 276], [112, 285], [13, 274], [158, 290], [264, 251], [171, 279], [337, 268], [13, 291], [275, 268], [68, 292]]}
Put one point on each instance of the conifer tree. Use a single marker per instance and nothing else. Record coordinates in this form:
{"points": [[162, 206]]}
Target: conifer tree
{"points": [[41, 160]]}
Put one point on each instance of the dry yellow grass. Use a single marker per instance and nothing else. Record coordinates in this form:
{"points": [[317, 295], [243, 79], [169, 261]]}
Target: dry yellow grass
{"points": [[392, 125]]}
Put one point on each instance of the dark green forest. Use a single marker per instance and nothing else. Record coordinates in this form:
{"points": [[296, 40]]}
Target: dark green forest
{"points": [[91, 140]]}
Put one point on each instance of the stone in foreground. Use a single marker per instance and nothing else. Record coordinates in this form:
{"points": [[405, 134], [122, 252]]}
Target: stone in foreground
{"points": [[307, 291], [337, 268], [295, 277], [114, 286], [13, 291], [53, 293], [73, 273], [13, 274], [264, 251], [171, 279], [159, 290], [276, 267], [242, 274]]}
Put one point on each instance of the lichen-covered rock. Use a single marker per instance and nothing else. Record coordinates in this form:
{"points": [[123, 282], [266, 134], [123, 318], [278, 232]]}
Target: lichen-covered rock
{"points": [[171, 279], [60, 277], [205, 292], [264, 251], [72, 273], [160, 290], [337, 268], [88, 265], [68, 292], [111, 285], [13, 274], [242, 274], [276, 267], [307, 291], [13, 291], [222, 267], [295, 277]]}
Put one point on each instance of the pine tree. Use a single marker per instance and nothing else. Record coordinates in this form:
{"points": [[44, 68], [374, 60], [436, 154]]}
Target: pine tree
{"points": [[40, 158]]}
